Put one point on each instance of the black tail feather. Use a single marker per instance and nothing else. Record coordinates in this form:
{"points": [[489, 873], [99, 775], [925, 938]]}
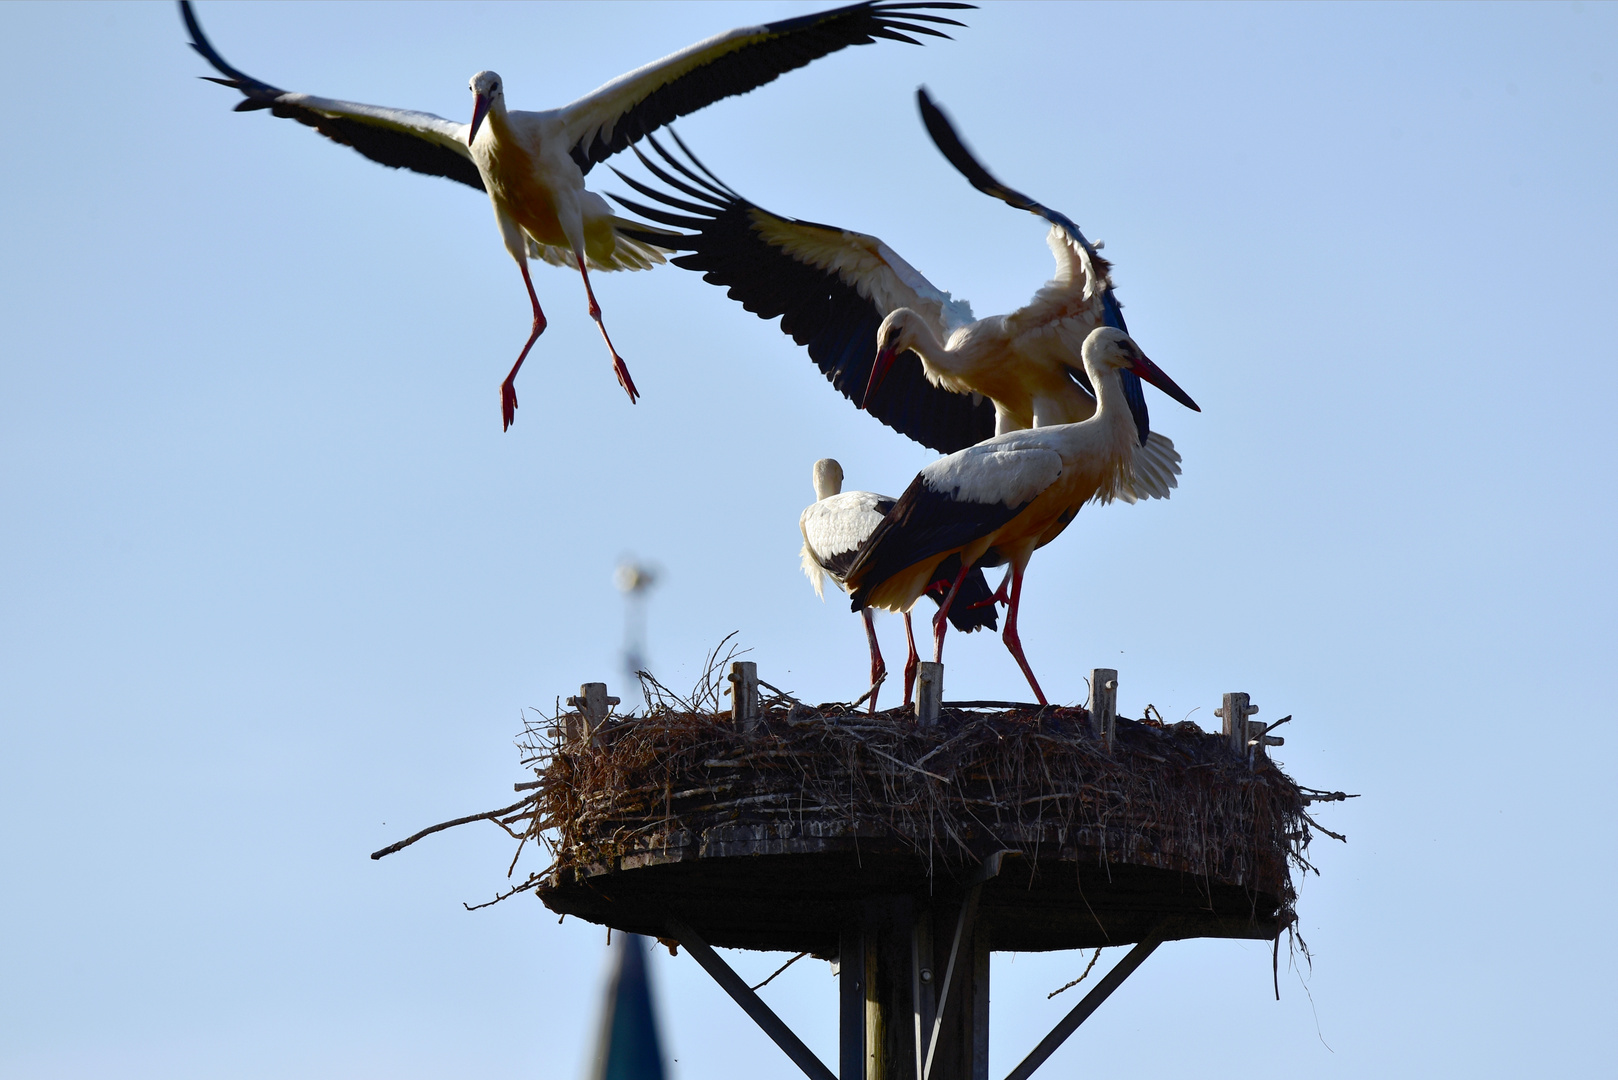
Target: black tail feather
{"points": [[963, 614]]}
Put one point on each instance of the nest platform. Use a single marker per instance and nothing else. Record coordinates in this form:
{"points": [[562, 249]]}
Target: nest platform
{"points": [[777, 832]]}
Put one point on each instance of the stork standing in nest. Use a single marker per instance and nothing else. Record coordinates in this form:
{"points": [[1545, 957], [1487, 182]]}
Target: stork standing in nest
{"points": [[1000, 500], [532, 164], [836, 524]]}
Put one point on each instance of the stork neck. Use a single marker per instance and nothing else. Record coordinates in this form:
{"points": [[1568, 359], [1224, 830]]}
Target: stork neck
{"points": [[920, 339], [1111, 405], [498, 123]]}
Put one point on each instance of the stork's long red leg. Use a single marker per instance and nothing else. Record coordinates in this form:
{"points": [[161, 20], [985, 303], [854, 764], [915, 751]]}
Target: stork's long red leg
{"points": [[879, 670], [941, 620], [508, 389], [910, 662], [1000, 596], [1013, 642], [619, 368]]}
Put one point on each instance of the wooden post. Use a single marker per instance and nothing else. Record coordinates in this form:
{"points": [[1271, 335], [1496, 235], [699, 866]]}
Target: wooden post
{"points": [[851, 1001], [1104, 704], [1235, 712], [744, 694], [592, 704], [980, 1006], [929, 693]]}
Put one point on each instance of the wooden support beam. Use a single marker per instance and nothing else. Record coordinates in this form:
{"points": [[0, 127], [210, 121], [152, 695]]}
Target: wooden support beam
{"points": [[593, 705], [929, 693], [1104, 705], [1081, 1012], [980, 1006], [851, 1001], [989, 868], [744, 694], [734, 985]]}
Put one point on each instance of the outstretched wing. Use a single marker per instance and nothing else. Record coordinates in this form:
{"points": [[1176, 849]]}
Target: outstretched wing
{"points": [[1083, 279], [418, 141], [633, 105], [830, 287]]}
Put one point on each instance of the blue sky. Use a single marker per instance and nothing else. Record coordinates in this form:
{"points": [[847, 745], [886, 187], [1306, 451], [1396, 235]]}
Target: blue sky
{"points": [[277, 588]]}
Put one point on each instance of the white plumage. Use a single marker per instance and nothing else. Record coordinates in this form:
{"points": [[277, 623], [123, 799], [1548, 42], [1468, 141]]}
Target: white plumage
{"points": [[1001, 500], [532, 164]]}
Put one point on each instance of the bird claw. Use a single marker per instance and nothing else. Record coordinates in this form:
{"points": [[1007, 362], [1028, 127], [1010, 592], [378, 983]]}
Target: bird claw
{"points": [[620, 369], [508, 405], [1000, 597]]}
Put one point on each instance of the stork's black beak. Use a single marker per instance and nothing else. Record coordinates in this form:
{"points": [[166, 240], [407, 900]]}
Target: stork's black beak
{"points": [[480, 109]]}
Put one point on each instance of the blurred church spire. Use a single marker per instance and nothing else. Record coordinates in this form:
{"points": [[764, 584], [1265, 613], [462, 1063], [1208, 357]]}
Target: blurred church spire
{"points": [[628, 1047]]}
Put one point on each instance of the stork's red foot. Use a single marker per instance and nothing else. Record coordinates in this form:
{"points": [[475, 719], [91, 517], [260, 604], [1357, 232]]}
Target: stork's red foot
{"points": [[621, 369], [508, 404], [1000, 596]]}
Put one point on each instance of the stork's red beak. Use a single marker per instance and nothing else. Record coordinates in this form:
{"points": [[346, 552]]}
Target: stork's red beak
{"points": [[1154, 375], [480, 109], [879, 371]]}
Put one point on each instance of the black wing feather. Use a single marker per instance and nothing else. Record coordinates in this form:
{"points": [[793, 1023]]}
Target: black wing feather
{"points": [[382, 145], [922, 523], [951, 145], [791, 44], [817, 309]]}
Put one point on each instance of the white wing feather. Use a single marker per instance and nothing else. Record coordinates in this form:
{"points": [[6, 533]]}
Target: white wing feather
{"points": [[1012, 469], [836, 525]]}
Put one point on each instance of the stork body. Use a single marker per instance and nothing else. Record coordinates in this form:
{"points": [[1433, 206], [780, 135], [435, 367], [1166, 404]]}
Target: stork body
{"points": [[836, 524], [532, 164], [906, 351], [1001, 500]]}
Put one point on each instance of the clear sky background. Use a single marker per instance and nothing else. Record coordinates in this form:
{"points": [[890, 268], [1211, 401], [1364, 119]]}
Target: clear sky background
{"points": [[276, 587]]}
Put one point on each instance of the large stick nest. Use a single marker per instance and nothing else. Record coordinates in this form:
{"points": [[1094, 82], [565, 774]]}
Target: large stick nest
{"points": [[646, 814]]}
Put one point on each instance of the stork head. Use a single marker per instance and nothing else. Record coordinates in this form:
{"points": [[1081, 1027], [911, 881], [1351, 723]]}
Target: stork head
{"points": [[828, 478], [487, 92], [894, 336], [1109, 349]]}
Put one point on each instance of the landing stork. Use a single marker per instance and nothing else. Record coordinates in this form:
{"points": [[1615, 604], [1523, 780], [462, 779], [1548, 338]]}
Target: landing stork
{"points": [[532, 164], [836, 524], [897, 345], [1000, 500]]}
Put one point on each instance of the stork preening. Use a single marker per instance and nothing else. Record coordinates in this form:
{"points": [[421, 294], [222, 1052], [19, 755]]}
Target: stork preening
{"points": [[1000, 500], [532, 164], [897, 345], [836, 524]]}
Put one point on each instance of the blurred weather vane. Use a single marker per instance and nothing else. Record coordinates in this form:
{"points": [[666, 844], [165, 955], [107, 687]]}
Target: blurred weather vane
{"points": [[634, 579]]}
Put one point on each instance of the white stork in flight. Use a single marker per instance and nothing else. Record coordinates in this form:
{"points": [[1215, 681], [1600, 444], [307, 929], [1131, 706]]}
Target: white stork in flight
{"points": [[532, 164], [891, 341], [836, 524], [999, 500]]}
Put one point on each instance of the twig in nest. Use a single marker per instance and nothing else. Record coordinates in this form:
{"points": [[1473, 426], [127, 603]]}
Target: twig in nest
{"points": [[1087, 968], [780, 694], [863, 698], [905, 764], [1324, 796], [524, 887], [1322, 828], [778, 971], [391, 848]]}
